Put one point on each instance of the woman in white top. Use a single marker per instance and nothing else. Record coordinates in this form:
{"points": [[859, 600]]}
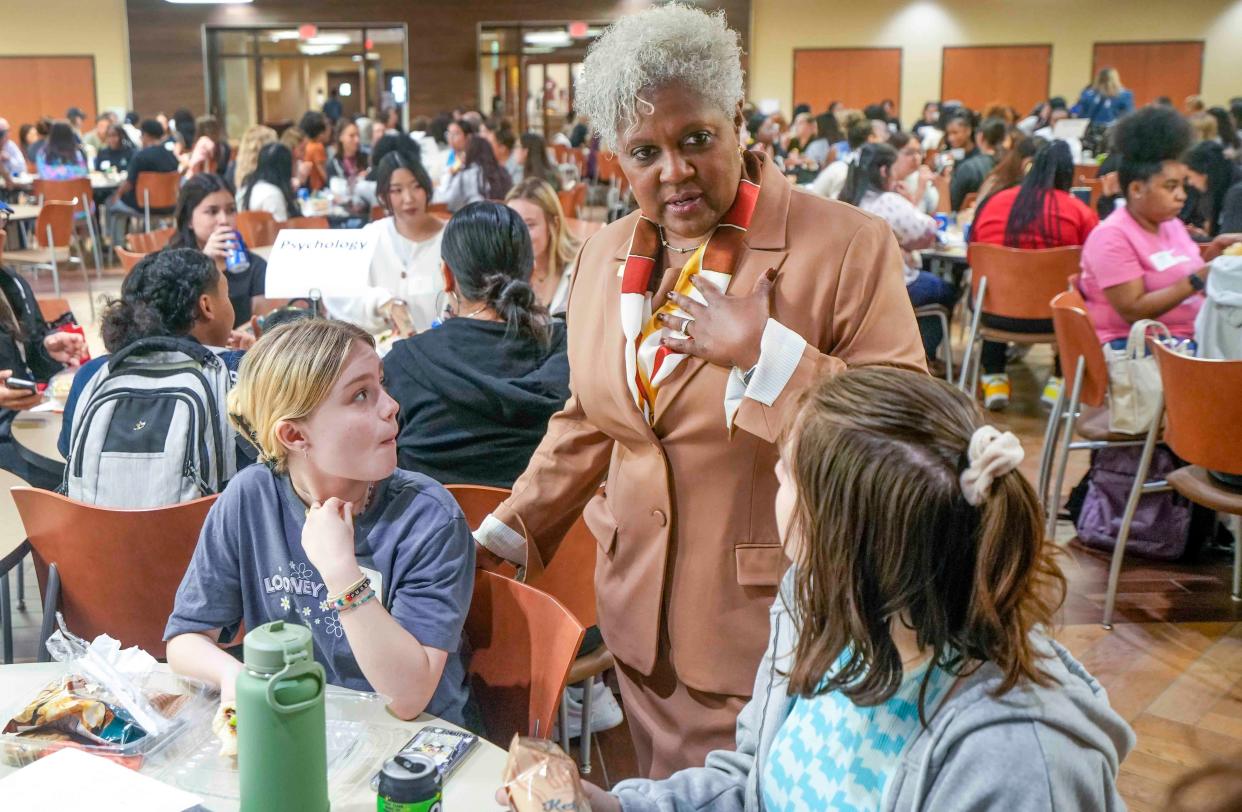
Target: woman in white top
{"points": [[270, 186], [405, 268], [554, 244], [871, 187], [481, 177]]}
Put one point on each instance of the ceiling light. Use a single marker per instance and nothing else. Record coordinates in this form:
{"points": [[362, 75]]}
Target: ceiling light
{"points": [[208, 2], [328, 39], [277, 36], [318, 50], [553, 39]]}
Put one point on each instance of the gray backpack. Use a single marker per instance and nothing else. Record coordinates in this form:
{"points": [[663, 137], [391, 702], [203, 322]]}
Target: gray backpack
{"points": [[151, 428]]}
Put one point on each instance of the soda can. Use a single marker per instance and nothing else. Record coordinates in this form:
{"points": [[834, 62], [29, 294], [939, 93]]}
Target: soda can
{"points": [[409, 783], [237, 259], [942, 221]]}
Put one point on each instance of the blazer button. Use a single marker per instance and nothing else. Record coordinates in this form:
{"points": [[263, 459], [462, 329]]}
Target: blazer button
{"points": [[660, 518]]}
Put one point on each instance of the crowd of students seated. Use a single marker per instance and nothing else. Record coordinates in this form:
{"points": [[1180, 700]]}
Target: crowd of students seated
{"points": [[933, 685]]}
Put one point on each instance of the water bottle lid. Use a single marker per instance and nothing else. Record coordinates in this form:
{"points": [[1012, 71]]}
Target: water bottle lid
{"points": [[272, 646]]}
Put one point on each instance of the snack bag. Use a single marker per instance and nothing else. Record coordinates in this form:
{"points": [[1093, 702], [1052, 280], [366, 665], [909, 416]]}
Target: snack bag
{"points": [[539, 776]]}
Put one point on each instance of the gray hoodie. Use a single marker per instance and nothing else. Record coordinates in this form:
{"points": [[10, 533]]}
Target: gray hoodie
{"points": [[1055, 747]]}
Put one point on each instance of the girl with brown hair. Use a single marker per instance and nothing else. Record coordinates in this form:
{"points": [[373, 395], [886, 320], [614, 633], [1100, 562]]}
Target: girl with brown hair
{"points": [[908, 665]]}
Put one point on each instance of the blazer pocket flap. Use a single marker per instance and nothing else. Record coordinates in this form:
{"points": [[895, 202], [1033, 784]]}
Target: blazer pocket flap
{"points": [[602, 524], [760, 564]]}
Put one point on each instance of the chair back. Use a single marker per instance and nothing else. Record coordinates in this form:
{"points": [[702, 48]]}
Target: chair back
{"points": [[608, 169], [476, 501], [305, 222], [378, 213], [158, 190], [522, 643], [56, 215], [129, 258], [570, 575], [439, 210], [1202, 409], [257, 228], [1021, 282], [572, 199], [49, 309], [119, 569], [76, 189], [1085, 172], [150, 241], [1076, 339]]}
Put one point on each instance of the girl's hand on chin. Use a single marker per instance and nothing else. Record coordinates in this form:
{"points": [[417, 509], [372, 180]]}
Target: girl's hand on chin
{"points": [[328, 539]]}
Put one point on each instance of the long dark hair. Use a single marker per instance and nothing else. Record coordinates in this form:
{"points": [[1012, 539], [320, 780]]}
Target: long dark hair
{"points": [[1225, 127], [866, 175], [389, 164], [209, 127], [487, 248], [1032, 221], [183, 125], [62, 143], [877, 454], [275, 166], [1208, 158], [193, 191], [494, 181], [536, 164], [159, 297], [828, 128]]}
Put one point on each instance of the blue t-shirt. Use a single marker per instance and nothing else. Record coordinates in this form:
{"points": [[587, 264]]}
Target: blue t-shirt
{"points": [[832, 754], [413, 542]]}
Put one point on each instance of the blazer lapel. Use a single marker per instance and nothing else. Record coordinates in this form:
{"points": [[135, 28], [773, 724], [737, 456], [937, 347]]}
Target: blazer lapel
{"points": [[614, 343]]}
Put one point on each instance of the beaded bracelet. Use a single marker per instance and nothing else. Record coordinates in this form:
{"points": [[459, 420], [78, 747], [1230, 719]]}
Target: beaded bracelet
{"points": [[366, 596], [351, 595]]}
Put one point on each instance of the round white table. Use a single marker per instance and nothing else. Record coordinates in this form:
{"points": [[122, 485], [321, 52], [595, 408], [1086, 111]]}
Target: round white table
{"points": [[471, 787], [39, 431], [24, 211]]}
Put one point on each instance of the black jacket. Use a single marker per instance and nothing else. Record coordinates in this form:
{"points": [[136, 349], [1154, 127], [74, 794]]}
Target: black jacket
{"points": [[475, 402], [24, 355]]}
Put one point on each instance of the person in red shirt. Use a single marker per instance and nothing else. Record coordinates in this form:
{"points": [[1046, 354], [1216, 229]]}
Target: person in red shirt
{"points": [[1040, 213]]}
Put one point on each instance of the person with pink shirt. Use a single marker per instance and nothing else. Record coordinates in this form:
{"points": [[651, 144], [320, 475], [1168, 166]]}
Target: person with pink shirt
{"points": [[1141, 262]]}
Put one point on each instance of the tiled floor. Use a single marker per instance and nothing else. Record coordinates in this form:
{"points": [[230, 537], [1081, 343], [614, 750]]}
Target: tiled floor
{"points": [[1172, 664]]}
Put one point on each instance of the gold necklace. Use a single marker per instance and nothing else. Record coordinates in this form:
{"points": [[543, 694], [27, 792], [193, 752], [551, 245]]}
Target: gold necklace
{"points": [[674, 248]]}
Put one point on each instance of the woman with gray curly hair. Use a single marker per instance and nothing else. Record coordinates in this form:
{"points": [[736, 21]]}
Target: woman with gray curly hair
{"points": [[694, 324]]}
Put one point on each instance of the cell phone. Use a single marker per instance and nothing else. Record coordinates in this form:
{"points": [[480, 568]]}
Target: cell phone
{"points": [[22, 383], [447, 748]]}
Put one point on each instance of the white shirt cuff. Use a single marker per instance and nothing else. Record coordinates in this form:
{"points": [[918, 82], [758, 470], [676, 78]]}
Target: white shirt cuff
{"points": [[780, 350], [502, 540]]}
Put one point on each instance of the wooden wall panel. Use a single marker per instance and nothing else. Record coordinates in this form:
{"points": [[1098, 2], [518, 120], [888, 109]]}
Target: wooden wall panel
{"points": [[856, 77], [1013, 75], [166, 40], [1152, 69], [35, 86]]}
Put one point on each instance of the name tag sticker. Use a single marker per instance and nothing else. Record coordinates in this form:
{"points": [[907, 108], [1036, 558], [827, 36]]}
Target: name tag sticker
{"points": [[1163, 260]]}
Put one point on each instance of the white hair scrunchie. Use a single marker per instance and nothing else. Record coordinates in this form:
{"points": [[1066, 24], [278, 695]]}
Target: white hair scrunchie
{"points": [[991, 454]]}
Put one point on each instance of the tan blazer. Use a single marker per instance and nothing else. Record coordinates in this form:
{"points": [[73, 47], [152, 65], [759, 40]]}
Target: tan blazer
{"points": [[689, 554]]}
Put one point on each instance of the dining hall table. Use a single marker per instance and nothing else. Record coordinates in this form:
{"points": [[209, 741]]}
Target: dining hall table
{"points": [[472, 785]]}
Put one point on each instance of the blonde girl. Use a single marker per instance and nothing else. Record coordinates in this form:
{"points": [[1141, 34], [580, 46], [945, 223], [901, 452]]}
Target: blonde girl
{"points": [[555, 246], [253, 140], [329, 533]]}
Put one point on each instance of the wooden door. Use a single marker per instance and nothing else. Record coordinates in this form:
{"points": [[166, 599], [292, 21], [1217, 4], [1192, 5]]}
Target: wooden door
{"points": [[1153, 69], [1013, 75], [37, 86], [856, 77]]}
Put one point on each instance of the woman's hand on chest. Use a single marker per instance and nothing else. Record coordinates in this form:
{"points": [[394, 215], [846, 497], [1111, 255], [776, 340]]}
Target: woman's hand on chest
{"points": [[328, 539], [727, 329]]}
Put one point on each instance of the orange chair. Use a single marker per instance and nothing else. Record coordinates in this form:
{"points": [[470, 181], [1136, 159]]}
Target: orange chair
{"points": [[82, 193], [523, 643], [1085, 172], [150, 241], [157, 191], [1017, 284], [257, 228], [54, 244], [1082, 408], [109, 571], [1095, 185], [439, 210], [304, 222], [476, 501], [129, 258], [49, 309], [571, 199], [378, 213]]}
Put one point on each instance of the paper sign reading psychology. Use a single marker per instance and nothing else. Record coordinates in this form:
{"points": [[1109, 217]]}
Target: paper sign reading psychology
{"points": [[335, 261]]}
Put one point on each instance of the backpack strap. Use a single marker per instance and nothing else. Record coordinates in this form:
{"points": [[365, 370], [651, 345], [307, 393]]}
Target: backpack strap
{"points": [[195, 351]]}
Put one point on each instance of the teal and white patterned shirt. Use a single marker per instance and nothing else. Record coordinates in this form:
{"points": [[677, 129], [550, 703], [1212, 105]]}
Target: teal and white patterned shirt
{"points": [[830, 754]]}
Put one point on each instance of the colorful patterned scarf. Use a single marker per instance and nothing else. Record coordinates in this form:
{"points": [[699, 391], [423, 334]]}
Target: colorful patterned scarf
{"points": [[647, 362]]}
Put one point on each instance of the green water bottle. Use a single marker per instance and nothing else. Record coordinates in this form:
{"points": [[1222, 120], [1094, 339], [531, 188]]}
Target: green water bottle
{"points": [[282, 751]]}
